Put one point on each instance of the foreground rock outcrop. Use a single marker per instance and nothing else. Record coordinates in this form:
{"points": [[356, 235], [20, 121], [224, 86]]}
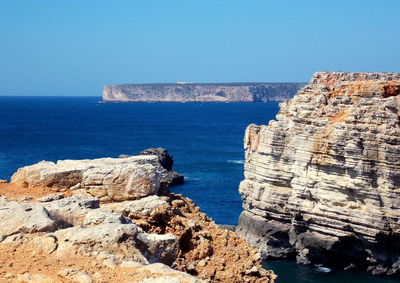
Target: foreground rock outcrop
{"points": [[109, 179], [56, 227], [201, 92], [76, 227], [322, 183]]}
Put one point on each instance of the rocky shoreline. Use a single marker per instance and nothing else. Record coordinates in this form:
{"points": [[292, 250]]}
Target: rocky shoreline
{"points": [[322, 181], [110, 220]]}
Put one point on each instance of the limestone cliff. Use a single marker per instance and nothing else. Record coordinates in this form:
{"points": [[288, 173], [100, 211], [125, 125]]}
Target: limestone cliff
{"points": [[204, 92], [322, 182]]}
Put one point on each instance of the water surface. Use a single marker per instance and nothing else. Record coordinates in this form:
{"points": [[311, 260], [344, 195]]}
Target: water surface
{"points": [[206, 140]]}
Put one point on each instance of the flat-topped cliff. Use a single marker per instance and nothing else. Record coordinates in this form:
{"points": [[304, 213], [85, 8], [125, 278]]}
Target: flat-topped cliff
{"points": [[322, 182], [201, 92]]}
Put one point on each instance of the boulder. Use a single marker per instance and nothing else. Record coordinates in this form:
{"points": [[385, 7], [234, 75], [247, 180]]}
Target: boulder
{"points": [[109, 179], [71, 211], [136, 208]]}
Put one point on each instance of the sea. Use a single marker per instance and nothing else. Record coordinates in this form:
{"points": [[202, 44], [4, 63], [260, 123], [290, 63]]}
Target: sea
{"points": [[205, 139]]}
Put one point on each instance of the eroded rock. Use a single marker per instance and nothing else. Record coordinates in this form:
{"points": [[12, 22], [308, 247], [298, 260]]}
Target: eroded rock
{"points": [[164, 157], [79, 238], [23, 218], [168, 177], [109, 179], [136, 208], [322, 182]]}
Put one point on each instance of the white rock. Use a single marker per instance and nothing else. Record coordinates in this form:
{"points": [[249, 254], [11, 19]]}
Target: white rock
{"points": [[98, 216], [75, 276], [109, 179], [136, 208], [23, 218]]}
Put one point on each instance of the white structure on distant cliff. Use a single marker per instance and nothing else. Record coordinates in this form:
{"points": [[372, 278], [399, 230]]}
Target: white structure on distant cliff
{"points": [[179, 82]]}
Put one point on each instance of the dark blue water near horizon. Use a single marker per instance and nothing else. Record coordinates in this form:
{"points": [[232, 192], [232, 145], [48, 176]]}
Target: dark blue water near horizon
{"points": [[206, 140]]}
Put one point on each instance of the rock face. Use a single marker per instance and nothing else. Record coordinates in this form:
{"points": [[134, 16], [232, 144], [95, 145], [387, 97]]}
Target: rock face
{"points": [[109, 179], [164, 157], [201, 92], [77, 225], [166, 175], [322, 183], [51, 231], [170, 177], [205, 250]]}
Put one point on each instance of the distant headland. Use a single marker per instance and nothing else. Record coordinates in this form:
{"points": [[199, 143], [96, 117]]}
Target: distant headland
{"points": [[201, 92]]}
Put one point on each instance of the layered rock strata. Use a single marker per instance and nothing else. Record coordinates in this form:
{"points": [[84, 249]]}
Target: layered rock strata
{"points": [[109, 179], [322, 182], [201, 92], [51, 232]]}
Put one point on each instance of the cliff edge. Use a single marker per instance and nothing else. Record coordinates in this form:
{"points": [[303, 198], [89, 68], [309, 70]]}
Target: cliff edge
{"points": [[201, 92], [111, 220], [322, 182]]}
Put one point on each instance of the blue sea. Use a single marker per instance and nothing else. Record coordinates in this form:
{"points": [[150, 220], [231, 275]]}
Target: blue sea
{"points": [[206, 140]]}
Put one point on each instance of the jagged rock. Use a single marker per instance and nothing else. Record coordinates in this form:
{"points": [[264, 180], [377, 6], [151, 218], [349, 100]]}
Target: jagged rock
{"points": [[322, 183], [115, 238], [108, 246], [164, 157], [205, 250], [91, 229], [169, 177], [109, 179]]}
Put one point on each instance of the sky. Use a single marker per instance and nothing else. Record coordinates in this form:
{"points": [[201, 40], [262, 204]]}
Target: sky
{"points": [[74, 47]]}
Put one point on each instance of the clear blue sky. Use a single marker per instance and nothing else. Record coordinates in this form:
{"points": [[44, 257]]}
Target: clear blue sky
{"points": [[73, 47]]}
